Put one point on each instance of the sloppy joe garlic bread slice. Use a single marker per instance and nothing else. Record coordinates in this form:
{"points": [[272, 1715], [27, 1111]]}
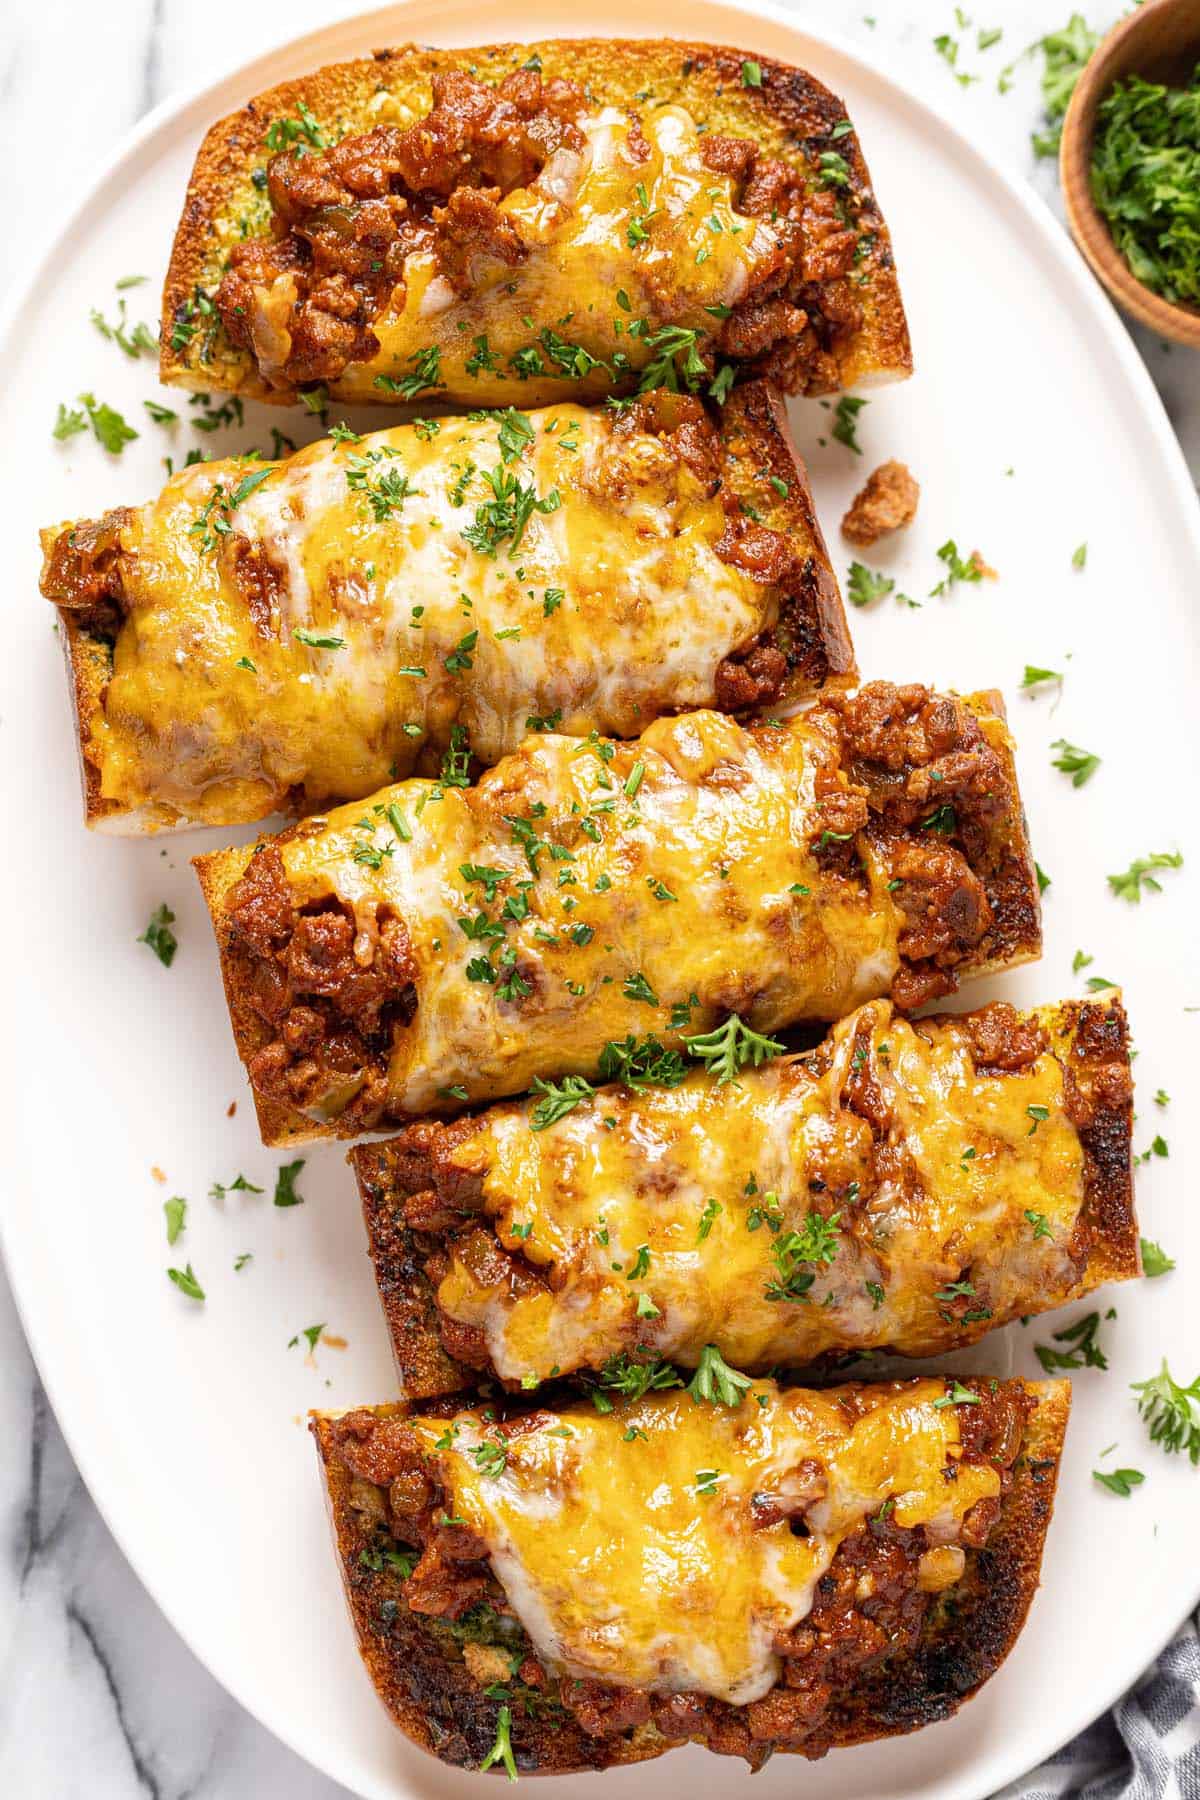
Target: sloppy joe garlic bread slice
{"points": [[441, 945], [270, 637], [797, 1571], [525, 223], [903, 1187]]}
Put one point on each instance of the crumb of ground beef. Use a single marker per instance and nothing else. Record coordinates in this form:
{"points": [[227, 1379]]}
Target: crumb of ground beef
{"points": [[888, 502]]}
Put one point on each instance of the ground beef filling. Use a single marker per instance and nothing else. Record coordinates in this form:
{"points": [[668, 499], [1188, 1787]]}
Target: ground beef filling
{"points": [[82, 571], [928, 791], [330, 988], [345, 219], [801, 304], [870, 1605]]}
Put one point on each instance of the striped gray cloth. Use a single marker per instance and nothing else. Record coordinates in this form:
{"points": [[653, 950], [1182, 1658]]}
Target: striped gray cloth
{"points": [[1146, 1748]]}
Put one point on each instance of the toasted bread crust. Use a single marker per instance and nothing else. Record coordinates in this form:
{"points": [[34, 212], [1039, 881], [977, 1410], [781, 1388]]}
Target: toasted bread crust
{"points": [[388, 1173], [757, 449], [782, 115], [430, 1694]]}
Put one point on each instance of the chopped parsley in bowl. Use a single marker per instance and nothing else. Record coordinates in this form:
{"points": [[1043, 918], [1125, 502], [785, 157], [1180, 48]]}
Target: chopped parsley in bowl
{"points": [[1145, 181]]}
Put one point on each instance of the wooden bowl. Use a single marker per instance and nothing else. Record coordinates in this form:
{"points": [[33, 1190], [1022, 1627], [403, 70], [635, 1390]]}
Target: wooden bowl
{"points": [[1161, 42]]}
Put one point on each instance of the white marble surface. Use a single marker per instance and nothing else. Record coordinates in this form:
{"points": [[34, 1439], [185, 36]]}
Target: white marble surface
{"points": [[99, 1699]]}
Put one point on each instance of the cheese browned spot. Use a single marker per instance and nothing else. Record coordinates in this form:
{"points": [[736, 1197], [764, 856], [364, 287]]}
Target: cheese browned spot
{"points": [[653, 1547], [948, 1196], [351, 611]]}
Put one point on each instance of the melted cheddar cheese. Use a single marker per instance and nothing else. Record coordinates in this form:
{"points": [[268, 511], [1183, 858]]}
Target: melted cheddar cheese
{"points": [[691, 251], [663, 1217], [627, 1542], [625, 888], [372, 624]]}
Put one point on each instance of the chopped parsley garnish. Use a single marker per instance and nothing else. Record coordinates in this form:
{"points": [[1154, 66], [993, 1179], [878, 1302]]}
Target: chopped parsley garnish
{"points": [[295, 133], [491, 1458], [1079, 764], [285, 1184], [665, 369], [488, 877], [160, 937], [636, 232], [798, 1254], [455, 771], [1172, 1412], [1119, 1481], [1039, 1115], [729, 1047], [385, 491], [636, 987], [845, 420], [641, 1063], [239, 1185], [141, 341], [943, 819], [175, 1211], [752, 75], [215, 517], [958, 568], [185, 1281], [959, 1396], [834, 171], [399, 1562], [631, 1377], [1040, 1223], [864, 585], [1084, 1351], [507, 513], [715, 1382], [1065, 52], [427, 373], [1035, 677], [311, 1334], [1129, 884], [1155, 1260], [516, 434], [68, 422], [947, 48], [707, 1480], [558, 1099], [317, 640], [708, 1218], [108, 427], [460, 657], [502, 1750]]}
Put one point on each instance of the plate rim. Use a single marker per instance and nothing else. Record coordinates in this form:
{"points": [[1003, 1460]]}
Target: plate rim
{"points": [[919, 93]]}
